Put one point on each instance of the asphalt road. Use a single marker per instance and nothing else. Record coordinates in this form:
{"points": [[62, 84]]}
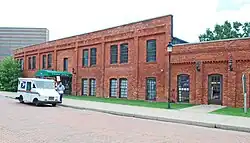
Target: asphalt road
{"points": [[22, 123]]}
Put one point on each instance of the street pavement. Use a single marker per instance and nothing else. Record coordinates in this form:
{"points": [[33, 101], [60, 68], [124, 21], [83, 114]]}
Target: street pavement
{"points": [[23, 123], [192, 116]]}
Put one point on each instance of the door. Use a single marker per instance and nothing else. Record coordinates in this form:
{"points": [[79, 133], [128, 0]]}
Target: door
{"points": [[215, 89], [28, 94], [183, 88]]}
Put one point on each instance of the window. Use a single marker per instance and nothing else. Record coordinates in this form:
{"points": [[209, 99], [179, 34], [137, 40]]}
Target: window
{"points": [[33, 86], [21, 63], [65, 64], [113, 54], [92, 56], [84, 87], [151, 50], [45, 84], [113, 87], [28, 88], [123, 88], [29, 65], [23, 84], [124, 53], [92, 87], [85, 59], [49, 60], [151, 88], [34, 62], [44, 61]]}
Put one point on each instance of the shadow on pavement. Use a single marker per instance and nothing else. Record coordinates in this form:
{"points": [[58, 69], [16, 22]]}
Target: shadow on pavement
{"points": [[30, 104]]}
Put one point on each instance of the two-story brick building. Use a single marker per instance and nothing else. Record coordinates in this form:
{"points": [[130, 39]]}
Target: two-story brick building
{"points": [[131, 61]]}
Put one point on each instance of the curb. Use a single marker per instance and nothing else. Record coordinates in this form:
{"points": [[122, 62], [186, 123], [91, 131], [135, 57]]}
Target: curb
{"points": [[194, 123]]}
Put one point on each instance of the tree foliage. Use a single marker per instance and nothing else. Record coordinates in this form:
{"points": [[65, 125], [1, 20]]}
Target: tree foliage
{"points": [[227, 31], [10, 71]]}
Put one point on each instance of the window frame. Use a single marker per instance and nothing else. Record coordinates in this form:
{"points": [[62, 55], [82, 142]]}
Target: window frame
{"points": [[85, 59], [85, 89], [123, 88], [33, 62], [49, 61], [113, 89], [65, 68], [44, 61], [93, 52], [29, 63], [151, 52], [149, 88], [21, 63], [113, 54], [92, 87], [124, 53]]}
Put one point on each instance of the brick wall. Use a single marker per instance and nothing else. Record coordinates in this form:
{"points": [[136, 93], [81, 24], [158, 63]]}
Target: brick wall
{"points": [[213, 56], [135, 71]]}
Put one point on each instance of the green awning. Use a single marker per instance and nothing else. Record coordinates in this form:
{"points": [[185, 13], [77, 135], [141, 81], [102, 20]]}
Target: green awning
{"points": [[50, 73]]}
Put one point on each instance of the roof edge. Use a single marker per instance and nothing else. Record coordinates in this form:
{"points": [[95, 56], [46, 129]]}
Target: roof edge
{"points": [[145, 20], [214, 41]]}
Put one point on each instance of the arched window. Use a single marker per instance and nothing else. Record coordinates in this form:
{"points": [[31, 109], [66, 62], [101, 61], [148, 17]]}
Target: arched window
{"points": [[123, 88], [113, 87]]}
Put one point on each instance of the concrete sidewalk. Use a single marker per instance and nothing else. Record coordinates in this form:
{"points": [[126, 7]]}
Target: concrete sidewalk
{"points": [[175, 116]]}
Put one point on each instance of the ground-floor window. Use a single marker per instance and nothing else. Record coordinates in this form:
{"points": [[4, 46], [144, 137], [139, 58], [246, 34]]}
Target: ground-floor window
{"points": [[85, 87], [123, 88], [183, 88], [92, 87], [113, 87], [151, 88]]}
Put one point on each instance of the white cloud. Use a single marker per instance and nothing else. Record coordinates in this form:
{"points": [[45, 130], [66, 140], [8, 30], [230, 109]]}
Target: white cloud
{"points": [[70, 17]]}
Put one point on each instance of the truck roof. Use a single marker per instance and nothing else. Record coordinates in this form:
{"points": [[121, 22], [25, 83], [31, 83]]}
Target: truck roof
{"points": [[35, 79]]}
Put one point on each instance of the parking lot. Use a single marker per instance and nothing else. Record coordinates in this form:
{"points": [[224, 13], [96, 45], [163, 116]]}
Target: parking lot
{"points": [[21, 123]]}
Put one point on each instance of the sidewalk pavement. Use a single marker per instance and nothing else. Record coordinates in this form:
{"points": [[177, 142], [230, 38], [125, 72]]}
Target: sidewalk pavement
{"points": [[174, 116]]}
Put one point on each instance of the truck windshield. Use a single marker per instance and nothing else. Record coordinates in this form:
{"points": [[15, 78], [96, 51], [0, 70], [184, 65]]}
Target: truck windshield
{"points": [[45, 85]]}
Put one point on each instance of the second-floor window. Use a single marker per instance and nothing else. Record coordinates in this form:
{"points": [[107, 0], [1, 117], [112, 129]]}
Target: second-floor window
{"points": [[21, 62], [65, 64], [49, 60], [29, 63], [92, 56], [34, 62], [151, 51], [44, 61], [85, 60], [124, 53], [113, 54]]}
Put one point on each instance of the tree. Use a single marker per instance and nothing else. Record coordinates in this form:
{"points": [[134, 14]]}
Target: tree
{"points": [[10, 71], [227, 31]]}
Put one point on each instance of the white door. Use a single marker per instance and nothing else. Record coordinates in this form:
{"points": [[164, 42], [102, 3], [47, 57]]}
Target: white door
{"points": [[28, 93]]}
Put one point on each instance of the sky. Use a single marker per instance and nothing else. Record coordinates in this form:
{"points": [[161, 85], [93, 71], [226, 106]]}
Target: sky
{"points": [[66, 18]]}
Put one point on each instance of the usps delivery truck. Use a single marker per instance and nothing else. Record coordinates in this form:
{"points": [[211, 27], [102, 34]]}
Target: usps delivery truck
{"points": [[37, 91]]}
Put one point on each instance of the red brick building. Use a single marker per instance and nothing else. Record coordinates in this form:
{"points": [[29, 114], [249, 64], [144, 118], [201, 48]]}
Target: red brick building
{"points": [[131, 61]]}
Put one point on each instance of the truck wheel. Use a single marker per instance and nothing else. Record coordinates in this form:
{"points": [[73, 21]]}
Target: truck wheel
{"points": [[54, 104], [20, 99], [36, 102]]}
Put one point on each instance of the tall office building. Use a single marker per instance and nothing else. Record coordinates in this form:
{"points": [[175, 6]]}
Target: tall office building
{"points": [[14, 37]]}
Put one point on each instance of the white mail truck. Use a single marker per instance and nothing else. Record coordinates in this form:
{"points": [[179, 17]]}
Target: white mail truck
{"points": [[37, 91]]}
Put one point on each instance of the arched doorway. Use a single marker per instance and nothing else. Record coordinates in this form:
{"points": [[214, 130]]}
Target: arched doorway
{"points": [[183, 88], [215, 89]]}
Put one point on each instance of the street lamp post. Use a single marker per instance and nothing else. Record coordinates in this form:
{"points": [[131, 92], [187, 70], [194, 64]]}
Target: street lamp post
{"points": [[170, 49]]}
